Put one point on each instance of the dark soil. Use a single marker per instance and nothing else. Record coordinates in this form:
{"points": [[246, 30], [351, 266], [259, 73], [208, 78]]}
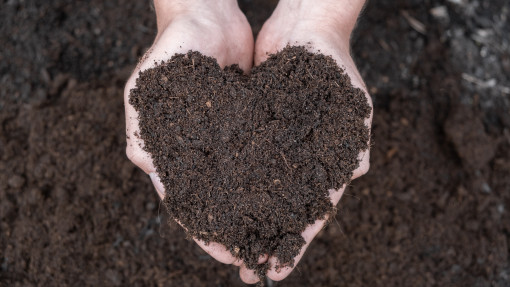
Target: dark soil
{"points": [[75, 212], [247, 161]]}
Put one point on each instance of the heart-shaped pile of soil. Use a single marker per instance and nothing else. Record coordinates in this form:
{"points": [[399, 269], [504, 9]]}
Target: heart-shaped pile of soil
{"points": [[247, 160]]}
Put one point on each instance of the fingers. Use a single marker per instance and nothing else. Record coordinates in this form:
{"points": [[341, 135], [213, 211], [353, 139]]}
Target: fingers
{"points": [[221, 254], [282, 273], [309, 234], [263, 259], [247, 275], [134, 144], [163, 49], [134, 147], [218, 252], [238, 262]]}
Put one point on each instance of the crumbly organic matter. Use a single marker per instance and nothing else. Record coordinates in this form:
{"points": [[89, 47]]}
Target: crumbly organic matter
{"points": [[248, 160]]}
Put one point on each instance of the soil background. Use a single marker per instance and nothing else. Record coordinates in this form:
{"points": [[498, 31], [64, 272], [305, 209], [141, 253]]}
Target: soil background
{"points": [[432, 211]]}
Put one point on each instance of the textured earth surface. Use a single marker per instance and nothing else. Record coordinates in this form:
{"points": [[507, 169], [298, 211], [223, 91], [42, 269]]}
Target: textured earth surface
{"points": [[432, 211]]}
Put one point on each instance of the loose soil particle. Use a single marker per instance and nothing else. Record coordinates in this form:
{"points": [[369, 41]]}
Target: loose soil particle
{"points": [[247, 161], [80, 214]]}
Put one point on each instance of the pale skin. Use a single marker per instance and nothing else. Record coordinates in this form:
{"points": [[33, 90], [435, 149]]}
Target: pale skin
{"points": [[219, 29]]}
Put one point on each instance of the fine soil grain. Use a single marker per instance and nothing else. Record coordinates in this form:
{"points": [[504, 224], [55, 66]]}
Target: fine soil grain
{"points": [[74, 211], [249, 161]]}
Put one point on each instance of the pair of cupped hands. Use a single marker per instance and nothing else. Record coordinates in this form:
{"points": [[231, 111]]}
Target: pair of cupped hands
{"points": [[220, 30]]}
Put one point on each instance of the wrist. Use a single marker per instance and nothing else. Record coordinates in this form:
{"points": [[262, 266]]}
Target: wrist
{"points": [[166, 10], [343, 14]]}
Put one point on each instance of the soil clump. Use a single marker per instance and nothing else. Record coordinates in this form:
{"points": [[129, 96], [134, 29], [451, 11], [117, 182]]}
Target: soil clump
{"points": [[248, 160]]}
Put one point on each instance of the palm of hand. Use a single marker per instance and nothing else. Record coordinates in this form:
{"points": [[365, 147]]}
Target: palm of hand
{"points": [[187, 32]]}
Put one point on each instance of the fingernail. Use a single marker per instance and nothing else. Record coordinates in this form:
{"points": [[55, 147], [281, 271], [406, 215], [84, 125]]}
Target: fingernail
{"points": [[157, 184]]}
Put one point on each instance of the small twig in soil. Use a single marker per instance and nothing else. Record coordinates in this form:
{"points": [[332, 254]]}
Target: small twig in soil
{"points": [[414, 23], [285, 160]]}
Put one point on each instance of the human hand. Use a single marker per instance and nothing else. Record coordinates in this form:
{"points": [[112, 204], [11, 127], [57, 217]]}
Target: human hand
{"points": [[220, 30], [215, 28], [325, 27]]}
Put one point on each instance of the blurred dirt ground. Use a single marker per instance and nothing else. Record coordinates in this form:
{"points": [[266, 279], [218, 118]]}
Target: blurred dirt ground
{"points": [[432, 211]]}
